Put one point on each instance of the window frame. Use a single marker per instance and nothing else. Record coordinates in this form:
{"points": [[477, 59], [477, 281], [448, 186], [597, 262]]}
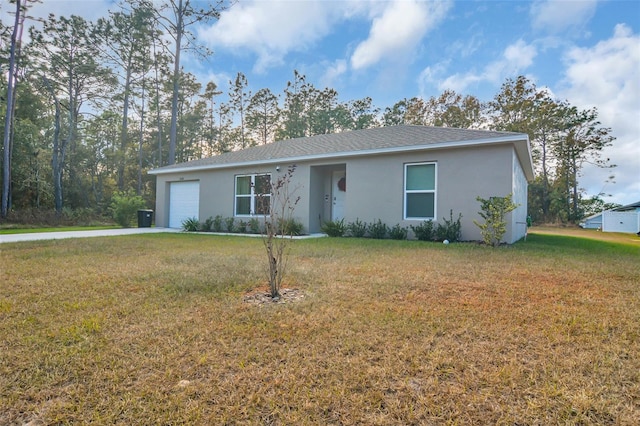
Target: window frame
{"points": [[433, 191], [252, 196]]}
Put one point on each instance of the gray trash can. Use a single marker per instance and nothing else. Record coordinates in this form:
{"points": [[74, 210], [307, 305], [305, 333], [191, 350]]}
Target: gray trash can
{"points": [[145, 217]]}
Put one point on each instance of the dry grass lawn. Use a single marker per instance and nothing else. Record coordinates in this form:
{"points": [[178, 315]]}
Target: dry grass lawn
{"points": [[154, 329]]}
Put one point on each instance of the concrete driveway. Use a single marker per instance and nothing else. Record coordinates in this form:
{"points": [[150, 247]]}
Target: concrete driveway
{"points": [[14, 238]]}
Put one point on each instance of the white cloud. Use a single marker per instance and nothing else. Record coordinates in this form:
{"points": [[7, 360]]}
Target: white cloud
{"points": [[519, 55], [399, 29], [431, 76], [607, 76], [466, 48], [221, 80], [556, 16], [515, 58], [333, 71], [272, 29]]}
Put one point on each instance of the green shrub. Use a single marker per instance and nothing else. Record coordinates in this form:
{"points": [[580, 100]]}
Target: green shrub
{"points": [[290, 227], [450, 229], [217, 224], [357, 229], [254, 226], [378, 230], [424, 231], [398, 232], [125, 206], [191, 224], [334, 228], [231, 224], [207, 225], [493, 211], [242, 226]]}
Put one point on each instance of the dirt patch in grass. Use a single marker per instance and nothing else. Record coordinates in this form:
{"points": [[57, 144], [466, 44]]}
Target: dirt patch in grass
{"points": [[262, 296], [155, 329]]}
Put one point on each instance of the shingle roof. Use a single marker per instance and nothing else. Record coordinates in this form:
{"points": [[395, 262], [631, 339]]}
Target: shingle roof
{"points": [[625, 208], [628, 207], [383, 139]]}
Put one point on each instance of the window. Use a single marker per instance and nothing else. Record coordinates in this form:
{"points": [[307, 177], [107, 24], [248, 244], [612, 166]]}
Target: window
{"points": [[420, 191], [253, 195]]}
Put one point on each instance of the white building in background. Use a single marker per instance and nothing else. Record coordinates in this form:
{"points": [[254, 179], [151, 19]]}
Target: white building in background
{"points": [[621, 219]]}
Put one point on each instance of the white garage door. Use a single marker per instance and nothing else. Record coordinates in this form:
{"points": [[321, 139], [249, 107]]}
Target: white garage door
{"points": [[621, 222], [184, 202]]}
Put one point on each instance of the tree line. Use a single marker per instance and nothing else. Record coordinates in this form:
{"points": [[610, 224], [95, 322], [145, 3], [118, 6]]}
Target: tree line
{"points": [[90, 107]]}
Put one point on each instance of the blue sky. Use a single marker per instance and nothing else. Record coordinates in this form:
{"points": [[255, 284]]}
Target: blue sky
{"points": [[583, 51]]}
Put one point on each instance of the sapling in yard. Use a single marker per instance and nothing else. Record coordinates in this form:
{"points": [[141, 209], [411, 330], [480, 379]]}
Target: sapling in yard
{"points": [[277, 202]]}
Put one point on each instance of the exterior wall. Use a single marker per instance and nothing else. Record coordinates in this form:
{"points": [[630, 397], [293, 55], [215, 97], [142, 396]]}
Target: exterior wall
{"points": [[317, 205], [593, 222], [628, 222], [375, 187], [217, 190], [320, 194], [375, 184], [163, 183], [518, 218]]}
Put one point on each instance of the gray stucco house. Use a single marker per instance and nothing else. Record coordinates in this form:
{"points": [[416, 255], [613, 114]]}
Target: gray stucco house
{"points": [[398, 174]]}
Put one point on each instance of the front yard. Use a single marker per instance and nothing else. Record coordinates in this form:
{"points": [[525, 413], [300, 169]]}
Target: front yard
{"points": [[155, 329]]}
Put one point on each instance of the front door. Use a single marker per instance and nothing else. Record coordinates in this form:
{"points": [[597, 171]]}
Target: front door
{"points": [[338, 194]]}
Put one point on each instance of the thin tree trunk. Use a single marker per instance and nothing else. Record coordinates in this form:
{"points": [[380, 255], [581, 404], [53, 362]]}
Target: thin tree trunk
{"points": [[70, 142], [6, 163], [37, 176], [212, 129], [545, 181], [173, 136], [57, 157], [124, 130], [12, 139], [140, 139], [574, 187], [158, 115]]}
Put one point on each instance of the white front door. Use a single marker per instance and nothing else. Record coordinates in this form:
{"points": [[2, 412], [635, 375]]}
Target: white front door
{"points": [[338, 194], [184, 202]]}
